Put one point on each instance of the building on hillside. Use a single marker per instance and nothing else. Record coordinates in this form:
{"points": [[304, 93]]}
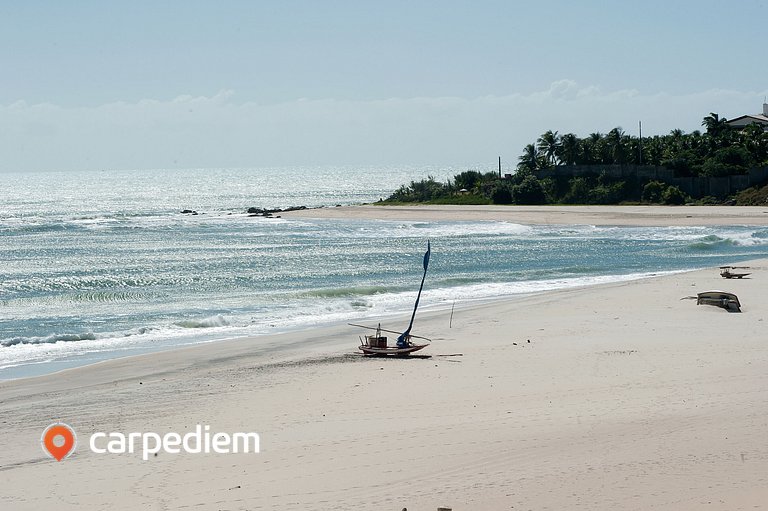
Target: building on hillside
{"points": [[745, 120]]}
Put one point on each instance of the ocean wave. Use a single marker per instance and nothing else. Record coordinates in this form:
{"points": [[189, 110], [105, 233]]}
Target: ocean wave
{"points": [[346, 291], [95, 287], [383, 229], [108, 296], [746, 239], [457, 281], [21, 227], [706, 247], [460, 229], [51, 339], [117, 221], [209, 322]]}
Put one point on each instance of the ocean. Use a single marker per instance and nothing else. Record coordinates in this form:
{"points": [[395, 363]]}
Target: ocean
{"points": [[103, 264]]}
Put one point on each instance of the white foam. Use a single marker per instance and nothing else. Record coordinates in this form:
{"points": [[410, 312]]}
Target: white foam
{"points": [[209, 322]]}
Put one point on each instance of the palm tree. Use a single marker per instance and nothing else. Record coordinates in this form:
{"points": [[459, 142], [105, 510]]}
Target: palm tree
{"points": [[591, 149], [677, 139], [569, 149], [715, 124], [547, 145], [695, 141], [530, 159], [755, 140], [616, 142], [653, 150], [633, 148]]}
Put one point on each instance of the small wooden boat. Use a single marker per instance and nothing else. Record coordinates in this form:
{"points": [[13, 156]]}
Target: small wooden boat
{"points": [[376, 344], [723, 299], [726, 273]]}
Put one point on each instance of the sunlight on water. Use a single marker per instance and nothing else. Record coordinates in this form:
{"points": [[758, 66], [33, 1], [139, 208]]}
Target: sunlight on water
{"points": [[96, 265]]}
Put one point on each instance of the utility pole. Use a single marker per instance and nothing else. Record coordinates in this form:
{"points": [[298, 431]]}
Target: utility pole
{"points": [[640, 123], [499, 167]]}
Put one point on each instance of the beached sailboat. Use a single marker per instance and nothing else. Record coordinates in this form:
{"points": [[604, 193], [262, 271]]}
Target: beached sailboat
{"points": [[377, 344], [727, 272]]}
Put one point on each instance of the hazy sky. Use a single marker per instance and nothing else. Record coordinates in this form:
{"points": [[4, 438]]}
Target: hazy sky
{"points": [[160, 84]]}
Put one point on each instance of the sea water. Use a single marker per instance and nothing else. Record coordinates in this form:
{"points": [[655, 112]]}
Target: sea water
{"points": [[96, 265]]}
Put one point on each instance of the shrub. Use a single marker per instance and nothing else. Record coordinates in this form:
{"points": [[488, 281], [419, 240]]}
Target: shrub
{"points": [[607, 192], [727, 161], [579, 191], [708, 200], [674, 195], [467, 179], [652, 192], [501, 194], [714, 168], [420, 191], [683, 163], [755, 196], [529, 191]]}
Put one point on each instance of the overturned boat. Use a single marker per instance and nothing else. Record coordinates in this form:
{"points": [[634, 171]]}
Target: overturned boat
{"points": [[723, 299]]}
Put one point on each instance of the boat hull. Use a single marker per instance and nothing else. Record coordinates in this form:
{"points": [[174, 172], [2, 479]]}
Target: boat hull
{"points": [[722, 299], [391, 350]]}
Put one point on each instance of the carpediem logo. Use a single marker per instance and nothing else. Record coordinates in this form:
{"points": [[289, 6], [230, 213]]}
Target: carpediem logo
{"points": [[198, 441], [59, 441]]}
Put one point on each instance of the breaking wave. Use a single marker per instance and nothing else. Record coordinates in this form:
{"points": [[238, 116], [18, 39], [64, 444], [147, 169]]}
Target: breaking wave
{"points": [[51, 339], [209, 322], [347, 291]]}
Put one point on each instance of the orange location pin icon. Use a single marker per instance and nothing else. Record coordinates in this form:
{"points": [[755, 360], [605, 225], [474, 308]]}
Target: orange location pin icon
{"points": [[58, 440]]}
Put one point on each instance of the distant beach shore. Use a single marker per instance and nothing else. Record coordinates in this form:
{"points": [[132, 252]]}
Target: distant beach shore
{"points": [[536, 215], [618, 396]]}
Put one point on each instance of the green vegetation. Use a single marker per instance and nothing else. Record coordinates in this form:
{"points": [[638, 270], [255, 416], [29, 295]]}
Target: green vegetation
{"points": [[755, 196], [720, 151]]}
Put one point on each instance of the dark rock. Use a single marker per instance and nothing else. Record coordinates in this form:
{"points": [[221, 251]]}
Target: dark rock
{"points": [[188, 212], [292, 208], [267, 213]]}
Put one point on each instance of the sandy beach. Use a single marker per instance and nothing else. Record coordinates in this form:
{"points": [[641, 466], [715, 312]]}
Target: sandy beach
{"points": [[612, 397], [537, 215]]}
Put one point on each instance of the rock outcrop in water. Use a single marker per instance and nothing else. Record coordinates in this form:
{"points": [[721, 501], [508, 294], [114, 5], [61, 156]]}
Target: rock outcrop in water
{"points": [[269, 213]]}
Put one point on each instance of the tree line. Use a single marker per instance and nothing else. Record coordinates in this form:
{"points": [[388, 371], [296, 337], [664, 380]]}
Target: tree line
{"points": [[721, 150]]}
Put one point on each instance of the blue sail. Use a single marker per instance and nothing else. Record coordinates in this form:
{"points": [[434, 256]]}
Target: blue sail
{"points": [[402, 341]]}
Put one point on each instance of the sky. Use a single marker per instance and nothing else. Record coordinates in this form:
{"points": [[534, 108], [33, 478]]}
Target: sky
{"points": [[192, 84]]}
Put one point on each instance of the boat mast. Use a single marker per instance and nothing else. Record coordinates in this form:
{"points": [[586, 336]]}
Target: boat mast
{"points": [[401, 341]]}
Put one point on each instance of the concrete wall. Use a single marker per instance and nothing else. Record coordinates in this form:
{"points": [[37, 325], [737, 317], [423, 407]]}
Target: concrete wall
{"points": [[696, 187]]}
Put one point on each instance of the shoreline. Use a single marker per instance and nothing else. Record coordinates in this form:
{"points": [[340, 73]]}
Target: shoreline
{"points": [[619, 382], [645, 216], [277, 339], [533, 214]]}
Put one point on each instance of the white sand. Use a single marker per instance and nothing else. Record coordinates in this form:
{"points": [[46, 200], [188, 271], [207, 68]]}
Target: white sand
{"points": [[626, 398], [589, 215]]}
